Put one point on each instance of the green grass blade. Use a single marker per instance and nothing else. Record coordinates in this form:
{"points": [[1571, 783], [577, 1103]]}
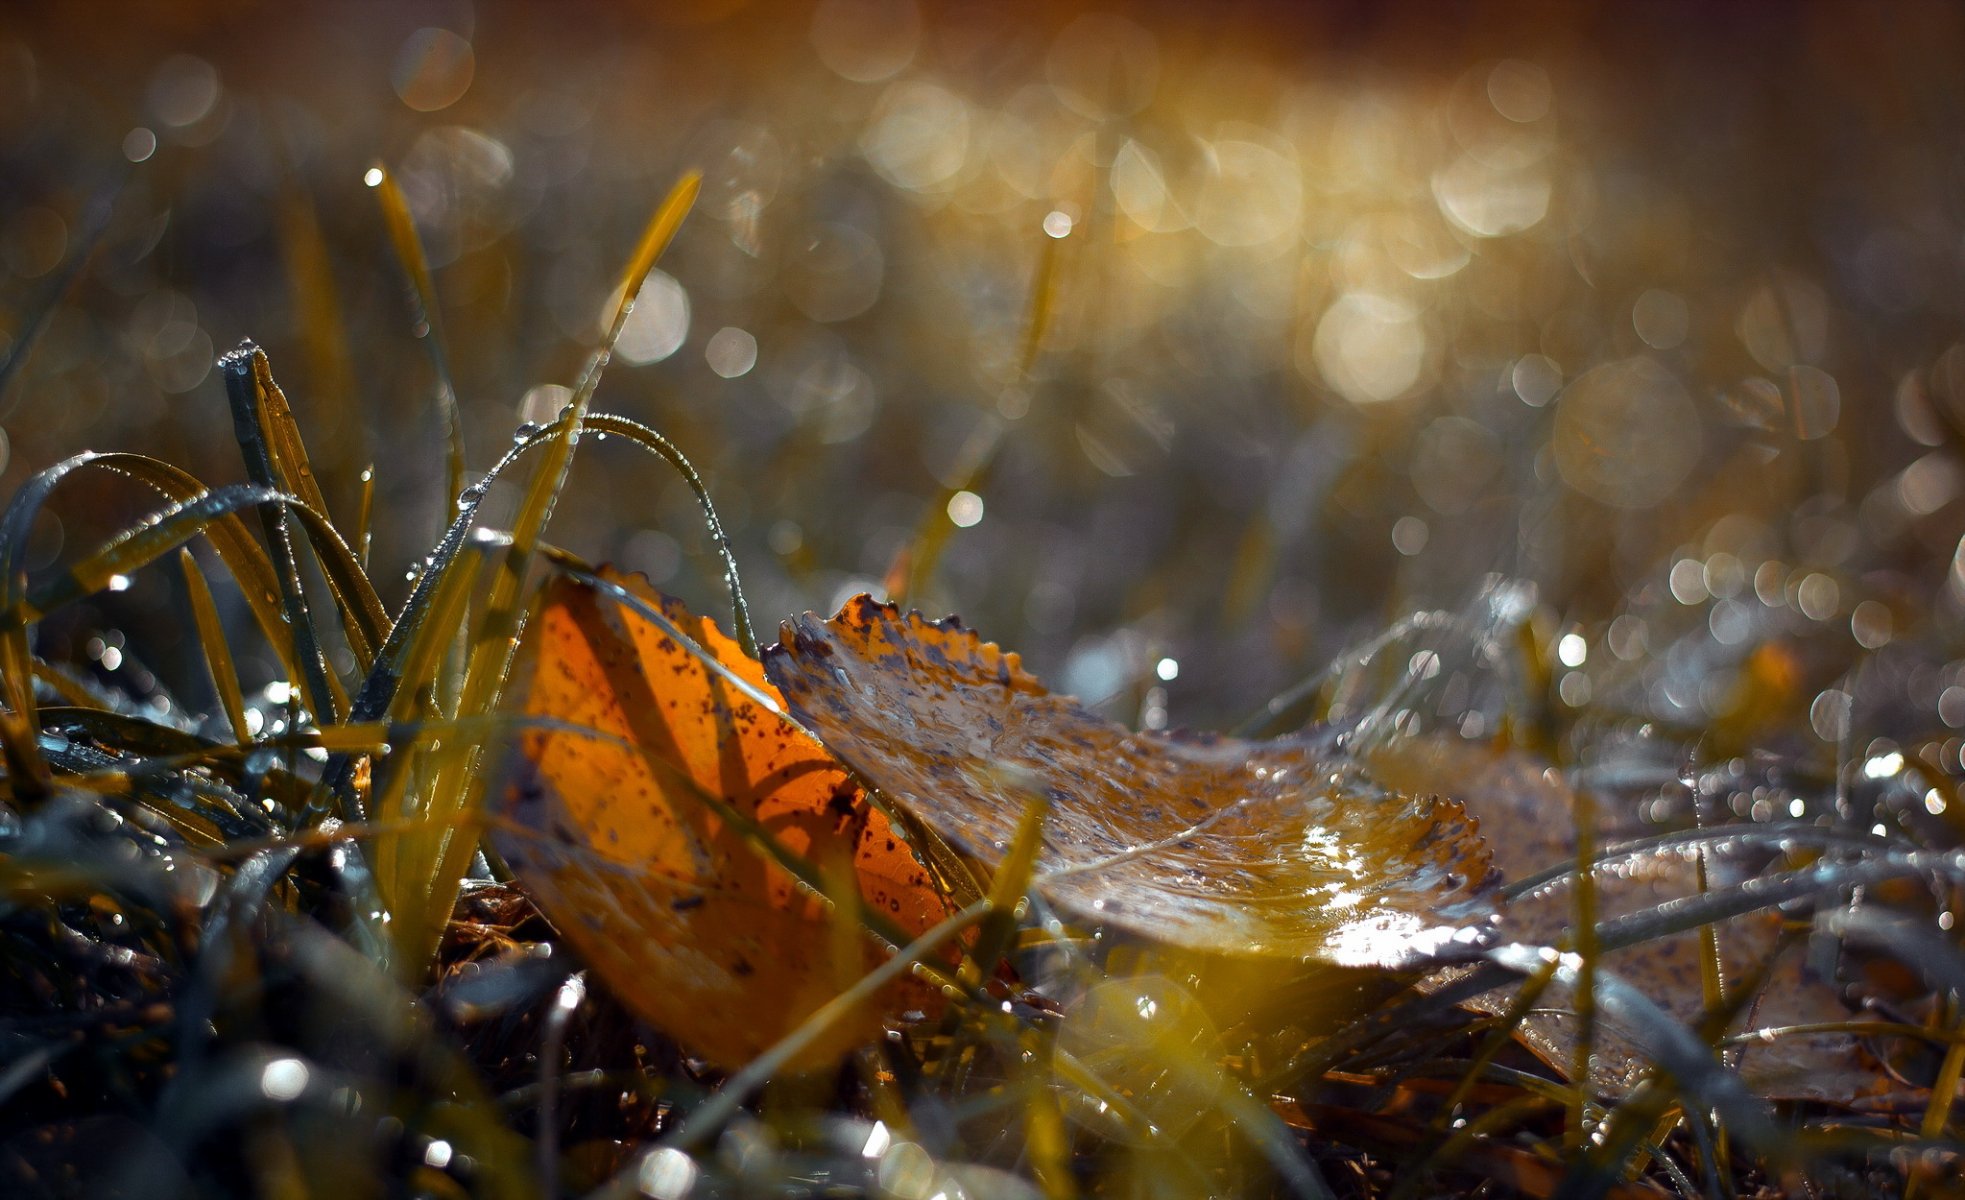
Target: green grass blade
{"points": [[1007, 891], [401, 855]]}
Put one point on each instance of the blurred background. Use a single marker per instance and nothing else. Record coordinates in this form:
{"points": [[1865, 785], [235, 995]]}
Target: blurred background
{"points": [[1639, 322]]}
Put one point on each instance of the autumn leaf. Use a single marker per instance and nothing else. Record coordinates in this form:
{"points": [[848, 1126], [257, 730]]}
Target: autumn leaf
{"points": [[1274, 849], [1525, 813], [612, 822]]}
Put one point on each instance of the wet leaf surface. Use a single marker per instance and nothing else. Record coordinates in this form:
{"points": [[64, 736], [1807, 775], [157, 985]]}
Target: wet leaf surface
{"points": [[685, 918], [1526, 817], [1197, 842]]}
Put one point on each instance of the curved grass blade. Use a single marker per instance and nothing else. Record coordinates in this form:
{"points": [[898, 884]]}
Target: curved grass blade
{"points": [[211, 513], [388, 671], [428, 320], [141, 544], [244, 559], [157, 535]]}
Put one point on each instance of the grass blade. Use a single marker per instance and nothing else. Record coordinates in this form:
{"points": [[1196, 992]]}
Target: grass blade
{"points": [[707, 1119], [364, 515], [914, 566], [428, 320], [242, 390], [347, 580], [458, 785], [218, 654], [323, 330]]}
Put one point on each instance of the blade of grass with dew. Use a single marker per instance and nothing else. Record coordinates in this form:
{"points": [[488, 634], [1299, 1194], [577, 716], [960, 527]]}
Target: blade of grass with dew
{"points": [[424, 313], [349, 585], [655, 443], [218, 653], [396, 862], [426, 318], [242, 391], [385, 673], [411, 626], [196, 806], [143, 544], [1817, 879], [292, 470], [364, 515], [1772, 837], [458, 785], [137, 546], [244, 559]]}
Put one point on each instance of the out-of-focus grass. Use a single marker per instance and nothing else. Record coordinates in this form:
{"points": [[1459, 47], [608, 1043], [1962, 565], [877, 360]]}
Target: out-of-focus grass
{"points": [[1607, 358]]}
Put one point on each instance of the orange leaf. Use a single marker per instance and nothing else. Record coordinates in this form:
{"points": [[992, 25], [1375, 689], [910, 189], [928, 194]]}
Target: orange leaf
{"points": [[1196, 842], [684, 916]]}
